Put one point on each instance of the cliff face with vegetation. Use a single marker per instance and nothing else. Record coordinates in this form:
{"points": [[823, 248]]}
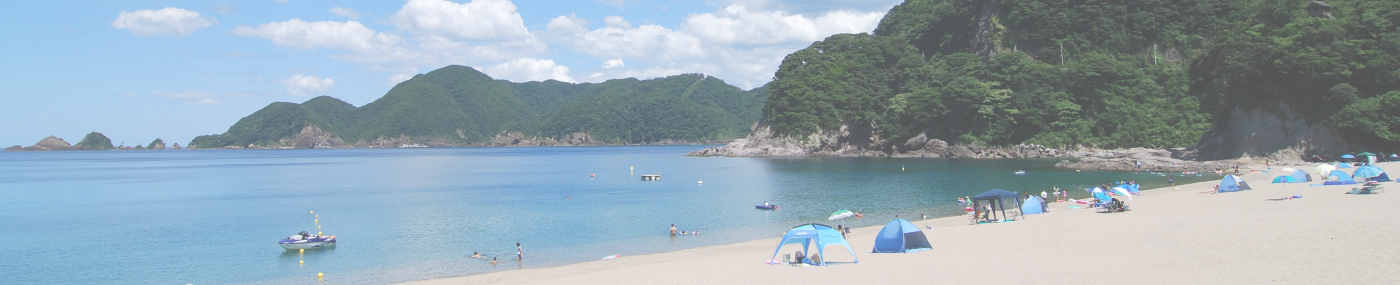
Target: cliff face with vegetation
{"points": [[1231, 78], [459, 106]]}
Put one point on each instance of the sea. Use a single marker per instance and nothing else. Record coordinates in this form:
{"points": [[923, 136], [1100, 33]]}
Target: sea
{"points": [[215, 216]]}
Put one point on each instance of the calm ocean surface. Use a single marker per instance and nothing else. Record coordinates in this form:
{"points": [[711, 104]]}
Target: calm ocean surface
{"points": [[214, 216]]}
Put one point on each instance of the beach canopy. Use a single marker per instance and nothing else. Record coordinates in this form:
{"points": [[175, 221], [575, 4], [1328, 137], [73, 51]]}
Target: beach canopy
{"points": [[1300, 176], [1122, 191], [1370, 173], [1337, 177], [821, 235], [996, 196], [1231, 183], [1033, 205], [900, 236]]}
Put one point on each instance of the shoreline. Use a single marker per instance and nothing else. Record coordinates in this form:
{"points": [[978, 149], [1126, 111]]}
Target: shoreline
{"points": [[1218, 238]]}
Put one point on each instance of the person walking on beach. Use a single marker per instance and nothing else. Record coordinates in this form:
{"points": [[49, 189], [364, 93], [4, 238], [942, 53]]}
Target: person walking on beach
{"points": [[519, 252], [1043, 195], [922, 216], [673, 229]]}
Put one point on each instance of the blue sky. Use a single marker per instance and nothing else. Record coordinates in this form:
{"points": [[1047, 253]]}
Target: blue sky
{"points": [[141, 70]]}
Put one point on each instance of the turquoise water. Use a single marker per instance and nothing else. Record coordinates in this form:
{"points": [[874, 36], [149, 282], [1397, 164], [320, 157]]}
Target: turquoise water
{"points": [[213, 217]]}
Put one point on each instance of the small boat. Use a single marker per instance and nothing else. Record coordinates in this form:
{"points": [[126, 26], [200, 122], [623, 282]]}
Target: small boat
{"points": [[651, 176], [766, 207], [304, 240], [1020, 172]]}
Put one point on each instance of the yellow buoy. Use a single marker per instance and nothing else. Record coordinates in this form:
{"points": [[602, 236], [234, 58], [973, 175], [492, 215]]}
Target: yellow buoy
{"points": [[302, 263], [320, 276], [313, 212], [303, 251], [318, 233]]}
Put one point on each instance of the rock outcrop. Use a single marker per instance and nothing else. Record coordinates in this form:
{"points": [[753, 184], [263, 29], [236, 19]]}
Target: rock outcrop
{"points": [[50, 143], [1284, 136], [313, 137], [1150, 160], [156, 145], [761, 142]]}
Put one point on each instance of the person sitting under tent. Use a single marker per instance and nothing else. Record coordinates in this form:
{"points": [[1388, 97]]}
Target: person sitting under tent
{"points": [[798, 257]]}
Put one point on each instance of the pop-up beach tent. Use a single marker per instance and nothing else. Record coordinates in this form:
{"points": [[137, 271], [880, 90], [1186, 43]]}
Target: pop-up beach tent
{"points": [[1033, 205], [996, 196], [1231, 183], [900, 236], [1370, 173], [822, 235], [1337, 177], [1285, 179], [1301, 176]]}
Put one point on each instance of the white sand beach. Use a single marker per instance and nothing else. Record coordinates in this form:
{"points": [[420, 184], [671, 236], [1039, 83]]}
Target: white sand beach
{"points": [[1168, 237]]}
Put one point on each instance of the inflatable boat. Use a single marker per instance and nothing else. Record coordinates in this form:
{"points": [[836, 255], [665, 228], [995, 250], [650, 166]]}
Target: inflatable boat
{"points": [[766, 207]]}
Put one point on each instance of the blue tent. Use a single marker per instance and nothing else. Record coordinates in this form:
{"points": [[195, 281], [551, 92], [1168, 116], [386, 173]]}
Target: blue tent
{"points": [[1285, 179], [1033, 205], [1343, 165], [822, 235], [900, 236], [1231, 183], [1337, 177], [1370, 173], [1301, 176]]}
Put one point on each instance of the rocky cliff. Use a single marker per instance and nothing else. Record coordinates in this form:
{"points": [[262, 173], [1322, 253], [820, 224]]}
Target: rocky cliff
{"points": [[1258, 134], [842, 142]]}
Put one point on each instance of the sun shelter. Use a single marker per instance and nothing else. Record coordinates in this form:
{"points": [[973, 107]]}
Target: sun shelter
{"points": [[1301, 176], [1367, 157], [1370, 173], [900, 236], [996, 197], [1033, 205], [1231, 183], [822, 235], [1337, 177]]}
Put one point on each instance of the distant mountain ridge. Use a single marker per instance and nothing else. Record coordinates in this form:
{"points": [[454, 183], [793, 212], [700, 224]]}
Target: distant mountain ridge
{"points": [[460, 106]]}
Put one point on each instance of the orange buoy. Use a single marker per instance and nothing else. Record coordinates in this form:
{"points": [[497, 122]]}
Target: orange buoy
{"points": [[590, 175]]}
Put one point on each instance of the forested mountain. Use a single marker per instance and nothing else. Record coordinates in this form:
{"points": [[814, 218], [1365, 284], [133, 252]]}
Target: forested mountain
{"points": [[1144, 73], [458, 105]]}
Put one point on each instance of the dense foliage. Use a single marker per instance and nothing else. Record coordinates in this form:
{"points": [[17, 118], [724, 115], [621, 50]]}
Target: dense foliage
{"points": [[460, 104], [95, 141], [1150, 73]]}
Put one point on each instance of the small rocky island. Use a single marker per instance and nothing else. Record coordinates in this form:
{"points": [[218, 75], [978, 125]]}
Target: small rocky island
{"points": [[93, 141]]}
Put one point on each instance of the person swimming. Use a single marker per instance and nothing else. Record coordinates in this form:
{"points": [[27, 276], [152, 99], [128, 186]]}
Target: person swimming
{"points": [[494, 261], [477, 255]]}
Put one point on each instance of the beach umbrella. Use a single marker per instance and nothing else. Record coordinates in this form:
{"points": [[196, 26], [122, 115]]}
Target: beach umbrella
{"points": [[1123, 192], [1323, 170], [1348, 156], [1365, 154], [842, 214]]}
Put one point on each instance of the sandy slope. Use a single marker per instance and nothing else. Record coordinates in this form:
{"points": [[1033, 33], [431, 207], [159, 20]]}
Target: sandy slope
{"points": [[1169, 237]]}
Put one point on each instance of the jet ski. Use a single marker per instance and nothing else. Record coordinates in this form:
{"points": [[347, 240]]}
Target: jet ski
{"points": [[766, 207], [304, 240]]}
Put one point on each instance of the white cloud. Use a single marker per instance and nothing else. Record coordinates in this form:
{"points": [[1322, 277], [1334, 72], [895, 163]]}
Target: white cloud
{"points": [[397, 78], [611, 63], [647, 41], [191, 97], [735, 25], [171, 20], [366, 44], [302, 85], [479, 20], [345, 12], [617, 22], [528, 69]]}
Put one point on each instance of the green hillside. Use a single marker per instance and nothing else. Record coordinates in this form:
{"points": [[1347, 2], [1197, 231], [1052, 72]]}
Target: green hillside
{"points": [[1095, 73], [461, 105]]}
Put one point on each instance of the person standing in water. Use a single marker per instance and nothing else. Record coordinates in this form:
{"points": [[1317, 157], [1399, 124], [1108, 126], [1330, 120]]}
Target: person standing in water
{"points": [[519, 252], [673, 229]]}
